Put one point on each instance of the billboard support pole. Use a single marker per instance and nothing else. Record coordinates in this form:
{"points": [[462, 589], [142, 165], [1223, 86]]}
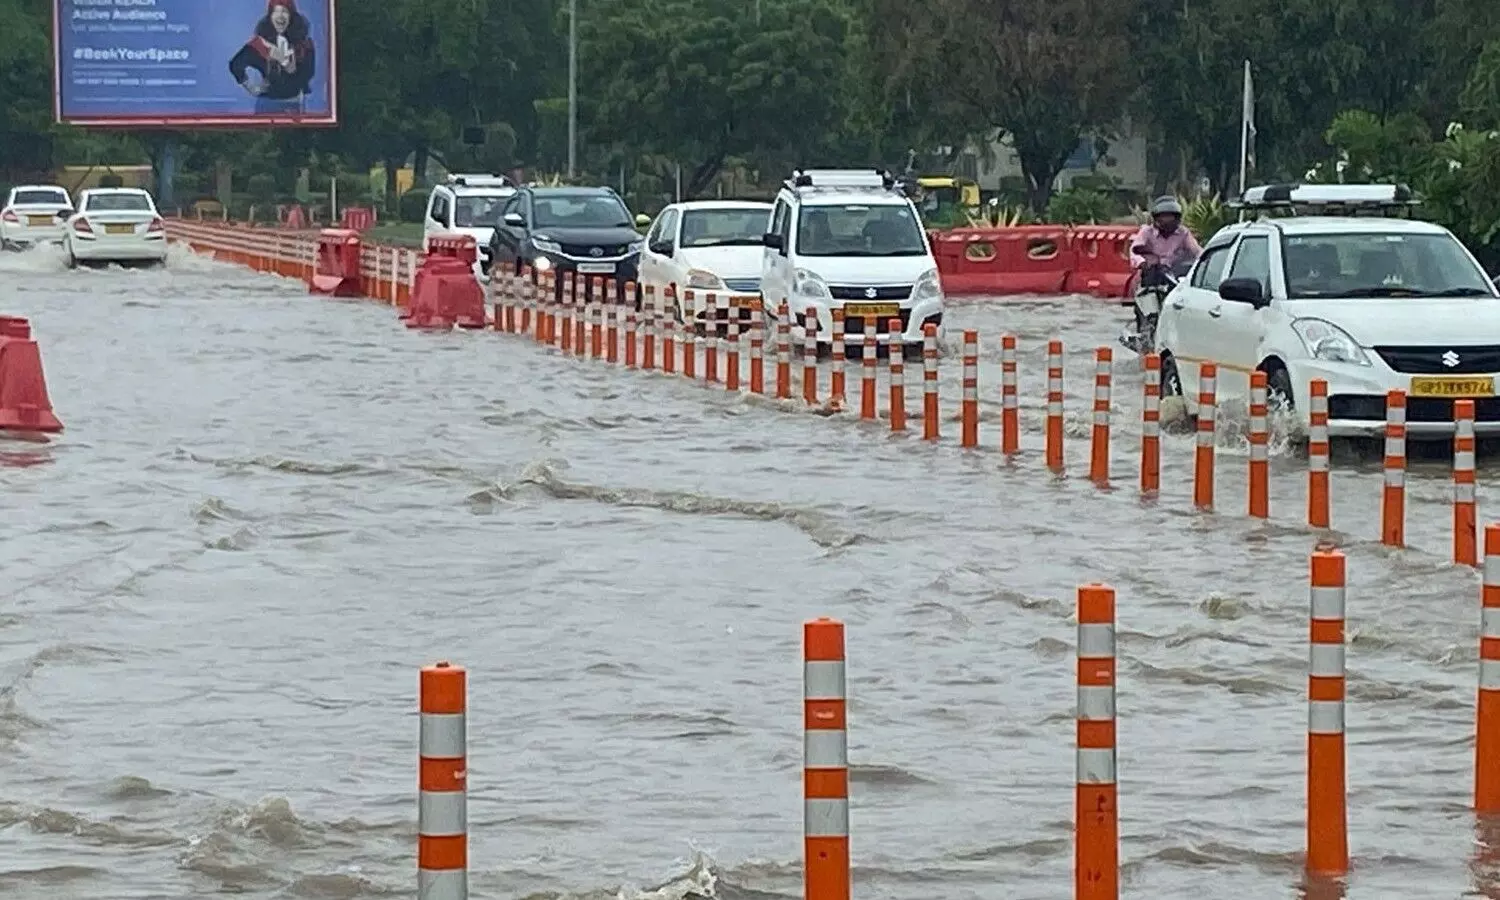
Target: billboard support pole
{"points": [[166, 173]]}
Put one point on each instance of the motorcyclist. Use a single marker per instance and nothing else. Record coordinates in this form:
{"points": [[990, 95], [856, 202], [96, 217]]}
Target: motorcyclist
{"points": [[1157, 249]]}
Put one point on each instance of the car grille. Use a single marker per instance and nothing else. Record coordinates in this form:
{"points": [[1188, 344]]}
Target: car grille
{"points": [[586, 251], [1371, 408], [862, 292], [743, 285], [1429, 360]]}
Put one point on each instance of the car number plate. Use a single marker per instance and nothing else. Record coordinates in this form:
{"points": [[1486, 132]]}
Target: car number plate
{"points": [[745, 301], [41, 221], [1453, 387], [119, 229], [596, 268], [872, 309]]}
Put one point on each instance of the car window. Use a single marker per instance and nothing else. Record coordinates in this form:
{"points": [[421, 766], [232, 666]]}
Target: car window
{"points": [[477, 210], [1210, 269], [668, 222], [580, 211], [118, 203], [778, 218], [723, 227], [40, 196], [1254, 261], [860, 229], [1380, 264]]}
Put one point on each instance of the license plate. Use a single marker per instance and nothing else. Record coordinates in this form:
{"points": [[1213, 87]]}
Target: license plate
{"points": [[745, 302], [872, 309], [119, 229], [1453, 387], [596, 268], [39, 221]]}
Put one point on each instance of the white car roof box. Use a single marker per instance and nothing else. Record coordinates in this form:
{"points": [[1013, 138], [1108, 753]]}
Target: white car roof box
{"points": [[844, 179], [467, 180], [1327, 199]]}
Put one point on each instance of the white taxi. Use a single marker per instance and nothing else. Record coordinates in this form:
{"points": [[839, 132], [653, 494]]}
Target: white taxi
{"points": [[707, 247], [1338, 287], [115, 225], [33, 214], [468, 205]]}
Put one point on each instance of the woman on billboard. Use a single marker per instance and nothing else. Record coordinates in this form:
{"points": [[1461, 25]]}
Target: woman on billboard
{"points": [[281, 53]]}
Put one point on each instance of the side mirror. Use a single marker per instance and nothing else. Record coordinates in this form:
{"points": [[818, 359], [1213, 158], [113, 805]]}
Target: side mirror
{"points": [[642, 220], [515, 220], [662, 248], [773, 240], [1244, 290]]}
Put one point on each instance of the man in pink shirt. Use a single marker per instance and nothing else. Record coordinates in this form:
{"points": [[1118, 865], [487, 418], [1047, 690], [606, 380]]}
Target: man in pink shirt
{"points": [[1164, 242]]}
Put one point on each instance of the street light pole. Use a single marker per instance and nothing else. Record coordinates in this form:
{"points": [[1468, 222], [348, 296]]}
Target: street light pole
{"points": [[572, 87]]}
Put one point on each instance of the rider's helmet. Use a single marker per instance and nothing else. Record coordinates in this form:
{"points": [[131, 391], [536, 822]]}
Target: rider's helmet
{"points": [[1166, 212]]}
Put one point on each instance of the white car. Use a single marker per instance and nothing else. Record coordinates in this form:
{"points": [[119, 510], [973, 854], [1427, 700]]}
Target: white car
{"points": [[33, 214], [115, 225], [471, 205], [850, 239], [706, 247], [1368, 303]]}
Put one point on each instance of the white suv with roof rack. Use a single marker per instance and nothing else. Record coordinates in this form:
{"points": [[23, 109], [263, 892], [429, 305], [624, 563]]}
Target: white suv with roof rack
{"points": [[467, 205], [1330, 282], [850, 239]]}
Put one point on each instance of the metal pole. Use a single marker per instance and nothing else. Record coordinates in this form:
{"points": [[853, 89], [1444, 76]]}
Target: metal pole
{"points": [[572, 87]]}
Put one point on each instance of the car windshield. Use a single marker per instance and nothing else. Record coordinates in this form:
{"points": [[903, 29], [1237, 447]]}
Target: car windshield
{"points": [[885, 229], [724, 227], [580, 211], [478, 210], [1381, 264], [42, 198], [118, 203]]}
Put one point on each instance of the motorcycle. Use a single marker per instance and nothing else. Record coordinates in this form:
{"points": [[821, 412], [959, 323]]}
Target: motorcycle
{"points": [[1157, 281]]}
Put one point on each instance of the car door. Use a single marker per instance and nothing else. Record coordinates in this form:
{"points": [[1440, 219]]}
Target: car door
{"points": [[656, 257], [436, 221], [1186, 322], [1235, 329], [775, 275]]}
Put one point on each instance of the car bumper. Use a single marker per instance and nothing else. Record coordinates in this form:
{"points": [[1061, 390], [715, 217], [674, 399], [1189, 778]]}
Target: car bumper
{"points": [[626, 269], [913, 318], [27, 235], [130, 249], [1357, 401]]}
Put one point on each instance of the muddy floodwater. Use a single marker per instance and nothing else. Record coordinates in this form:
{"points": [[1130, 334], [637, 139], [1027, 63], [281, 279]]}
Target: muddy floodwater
{"points": [[269, 510]]}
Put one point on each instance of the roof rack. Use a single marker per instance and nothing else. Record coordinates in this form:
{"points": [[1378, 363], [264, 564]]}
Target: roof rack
{"points": [[841, 179], [468, 180], [1327, 199]]}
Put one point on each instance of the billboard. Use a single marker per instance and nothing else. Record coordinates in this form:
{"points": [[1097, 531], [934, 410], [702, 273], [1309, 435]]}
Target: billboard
{"points": [[195, 63]]}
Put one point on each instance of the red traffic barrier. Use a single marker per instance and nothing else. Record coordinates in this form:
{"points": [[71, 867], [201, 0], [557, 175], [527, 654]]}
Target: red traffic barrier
{"points": [[24, 404], [1029, 259], [1101, 261], [357, 218], [445, 294], [456, 246], [337, 270]]}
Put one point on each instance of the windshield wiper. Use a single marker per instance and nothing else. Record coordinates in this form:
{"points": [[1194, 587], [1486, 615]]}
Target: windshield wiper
{"points": [[727, 242], [1395, 291], [1456, 292]]}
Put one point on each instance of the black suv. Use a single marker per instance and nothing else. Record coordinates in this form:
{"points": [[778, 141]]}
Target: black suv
{"points": [[585, 230]]}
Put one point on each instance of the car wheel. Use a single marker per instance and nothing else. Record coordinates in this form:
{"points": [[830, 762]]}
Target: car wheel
{"points": [[1279, 390]]}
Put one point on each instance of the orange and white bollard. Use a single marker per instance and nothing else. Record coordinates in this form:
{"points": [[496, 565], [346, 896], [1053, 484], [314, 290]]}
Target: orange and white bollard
{"points": [[929, 383], [757, 348], [1465, 513], [612, 330], [1099, 445], [631, 359], [810, 356], [838, 374], [1203, 452], [1317, 454], [582, 303], [669, 331], [868, 356], [442, 802], [1096, 823], [825, 762], [1487, 711], [732, 354], [969, 410], [690, 335], [1393, 498], [1151, 425], [896, 367], [1327, 816], [1260, 447], [1055, 405], [648, 336], [711, 339], [1010, 400], [565, 338], [547, 320], [783, 352], [527, 298], [596, 320]]}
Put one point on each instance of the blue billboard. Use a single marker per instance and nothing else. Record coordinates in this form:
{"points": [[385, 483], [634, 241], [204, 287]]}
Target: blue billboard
{"points": [[195, 63]]}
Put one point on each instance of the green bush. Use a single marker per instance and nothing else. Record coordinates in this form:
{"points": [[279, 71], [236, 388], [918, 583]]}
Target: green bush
{"points": [[414, 205], [261, 188], [1081, 206]]}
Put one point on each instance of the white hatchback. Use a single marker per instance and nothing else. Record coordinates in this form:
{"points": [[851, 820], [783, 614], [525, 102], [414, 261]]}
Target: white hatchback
{"points": [[115, 225], [706, 247], [1369, 304], [33, 214]]}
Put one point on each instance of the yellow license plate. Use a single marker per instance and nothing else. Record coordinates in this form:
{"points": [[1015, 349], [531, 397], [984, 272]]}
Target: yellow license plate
{"points": [[1453, 387], [39, 220], [872, 309], [119, 229], [744, 302]]}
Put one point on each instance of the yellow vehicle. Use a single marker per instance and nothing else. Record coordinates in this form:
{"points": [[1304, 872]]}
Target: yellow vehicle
{"points": [[946, 200]]}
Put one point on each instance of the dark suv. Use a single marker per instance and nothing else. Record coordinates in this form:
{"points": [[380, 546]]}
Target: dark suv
{"points": [[585, 230]]}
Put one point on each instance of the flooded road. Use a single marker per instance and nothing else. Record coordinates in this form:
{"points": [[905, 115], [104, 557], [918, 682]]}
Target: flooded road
{"points": [[269, 510]]}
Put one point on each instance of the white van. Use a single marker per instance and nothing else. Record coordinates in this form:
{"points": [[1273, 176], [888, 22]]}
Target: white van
{"points": [[468, 205], [850, 239]]}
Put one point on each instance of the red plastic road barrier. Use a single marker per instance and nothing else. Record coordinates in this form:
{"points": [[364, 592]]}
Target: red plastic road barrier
{"points": [[1101, 261], [337, 269], [24, 404], [446, 294], [357, 218], [1036, 259]]}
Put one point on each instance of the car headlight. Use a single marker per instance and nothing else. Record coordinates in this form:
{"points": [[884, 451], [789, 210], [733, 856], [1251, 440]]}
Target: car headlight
{"points": [[545, 246], [541, 263], [808, 285], [1328, 342], [636, 246], [928, 287], [704, 280]]}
